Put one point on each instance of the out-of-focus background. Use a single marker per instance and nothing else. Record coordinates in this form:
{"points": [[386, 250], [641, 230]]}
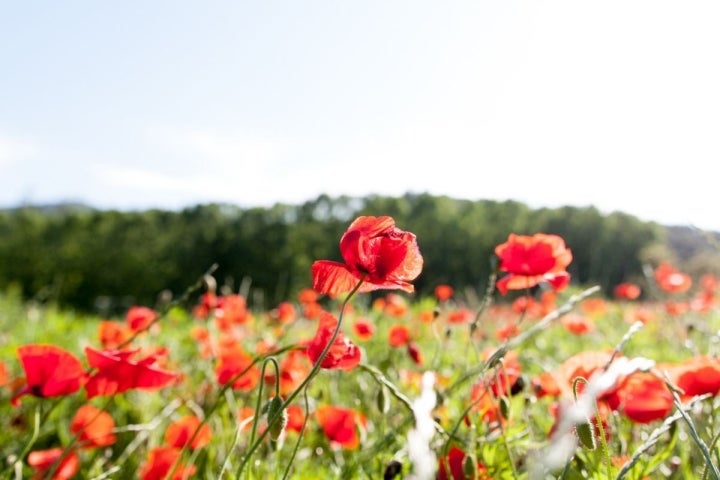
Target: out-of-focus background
{"points": [[141, 142], [135, 105]]}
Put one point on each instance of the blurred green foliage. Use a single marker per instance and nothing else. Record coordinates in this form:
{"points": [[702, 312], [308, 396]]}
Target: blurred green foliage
{"points": [[104, 261]]}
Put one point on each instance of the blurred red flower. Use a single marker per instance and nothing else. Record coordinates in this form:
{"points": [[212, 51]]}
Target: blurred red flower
{"points": [[232, 361], [374, 249], [671, 280], [343, 354], [398, 335], [231, 310], [529, 260], [93, 426], [296, 418], [284, 313], [364, 328], [117, 372], [139, 318], [443, 292], [160, 461], [627, 291], [179, 433], [113, 334], [43, 461], [341, 425], [641, 397], [577, 324], [50, 371], [697, 375], [451, 466]]}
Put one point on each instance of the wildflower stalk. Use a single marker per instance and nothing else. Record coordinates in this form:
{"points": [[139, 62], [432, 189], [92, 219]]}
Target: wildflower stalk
{"points": [[31, 442], [221, 394], [256, 418], [709, 465], [313, 372], [522, 337], [300, 435], [655, 436]]}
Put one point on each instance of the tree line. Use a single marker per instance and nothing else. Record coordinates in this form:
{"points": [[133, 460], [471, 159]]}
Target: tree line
{"points": [[92, 259]]}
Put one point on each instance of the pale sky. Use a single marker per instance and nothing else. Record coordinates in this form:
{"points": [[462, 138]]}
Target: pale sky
{"points": [[167, 104]]}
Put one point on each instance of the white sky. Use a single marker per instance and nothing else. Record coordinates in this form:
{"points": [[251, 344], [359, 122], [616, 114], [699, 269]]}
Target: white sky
{"points": [[167, 104]]}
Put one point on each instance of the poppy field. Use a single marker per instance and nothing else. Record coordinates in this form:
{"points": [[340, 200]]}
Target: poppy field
{"points": [[359, 377]]}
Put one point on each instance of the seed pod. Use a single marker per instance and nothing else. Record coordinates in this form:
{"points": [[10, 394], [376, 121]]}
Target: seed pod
{"points": [[274, 407]]}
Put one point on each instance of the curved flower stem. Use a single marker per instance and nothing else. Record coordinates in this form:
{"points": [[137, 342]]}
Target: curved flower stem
{"points": [[256, 420], [313, 372], [221, 394]]}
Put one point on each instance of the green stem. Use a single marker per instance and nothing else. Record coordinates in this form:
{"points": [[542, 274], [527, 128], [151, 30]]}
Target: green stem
{"points": [[33, 438], [313, 372]]}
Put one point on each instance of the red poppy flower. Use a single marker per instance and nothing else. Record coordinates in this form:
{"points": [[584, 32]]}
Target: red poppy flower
{"points": [[697, 375], [451, 467], [160, 461], [374, 249], [296, 418], [627, 291], [307, 295], [461, 315], [117, 372], [232, 361], [583, 364], [443, 292], [311, 311], [113, 334], [93, 426], [140, 318], [398, 335], [284, 313], [364, 328], [179, 433], [341, 425], [231, 310], [578, 324], [641, 397], [343, 354], [671, 280], [50, 371], [43, 461], [529, 260]]}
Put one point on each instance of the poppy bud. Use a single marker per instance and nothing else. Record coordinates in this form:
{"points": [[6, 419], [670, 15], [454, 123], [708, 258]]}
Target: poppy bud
{"points": [[280, 416], [586, 434]]}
